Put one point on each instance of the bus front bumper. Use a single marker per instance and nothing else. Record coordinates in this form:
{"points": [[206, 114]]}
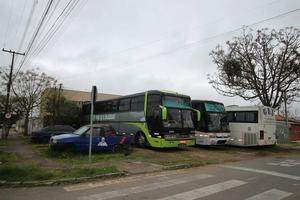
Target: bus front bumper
{"points": [[212, 138], [163, 143]]}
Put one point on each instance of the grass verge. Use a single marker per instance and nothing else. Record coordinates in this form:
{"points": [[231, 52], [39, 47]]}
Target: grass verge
{"points": [[24, 173], [35, 173], [3, 142], [7, 157]]}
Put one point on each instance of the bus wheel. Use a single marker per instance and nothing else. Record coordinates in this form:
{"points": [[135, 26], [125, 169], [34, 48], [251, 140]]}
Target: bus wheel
{"points": [[141, 140]]}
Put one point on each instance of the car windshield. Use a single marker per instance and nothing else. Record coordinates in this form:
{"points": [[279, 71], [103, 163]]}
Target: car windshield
{"points": [[81, 130]]}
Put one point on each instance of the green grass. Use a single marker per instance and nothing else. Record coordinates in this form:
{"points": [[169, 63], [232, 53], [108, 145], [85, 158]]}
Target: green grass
{"points": [[88, 172], [188, 162], [3, 142], [76, 158], [24, 173], [35, 173], [7, 157]]}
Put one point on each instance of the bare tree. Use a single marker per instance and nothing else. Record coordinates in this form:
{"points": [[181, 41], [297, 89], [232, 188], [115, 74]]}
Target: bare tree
{"points": [[262, 66], [28, 87], [13, 105]]}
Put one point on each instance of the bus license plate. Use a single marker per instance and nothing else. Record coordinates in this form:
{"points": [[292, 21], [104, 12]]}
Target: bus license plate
{"points": [[182, 143]]}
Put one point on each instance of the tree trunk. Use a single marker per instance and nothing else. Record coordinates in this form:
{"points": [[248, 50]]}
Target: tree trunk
{"points": [[26, 123], [5, 131]]}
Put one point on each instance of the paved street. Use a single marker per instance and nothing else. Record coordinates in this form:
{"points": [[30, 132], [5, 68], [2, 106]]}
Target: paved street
{"points": [[265, 178]]}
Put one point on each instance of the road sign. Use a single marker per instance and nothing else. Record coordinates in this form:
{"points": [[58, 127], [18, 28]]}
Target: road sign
{"points": [[93, 100], [8, 115]]}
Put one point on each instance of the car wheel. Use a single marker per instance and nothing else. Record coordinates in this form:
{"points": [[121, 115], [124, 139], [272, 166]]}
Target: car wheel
{"points": [[116, 148], [141, 140], [69, 148]]}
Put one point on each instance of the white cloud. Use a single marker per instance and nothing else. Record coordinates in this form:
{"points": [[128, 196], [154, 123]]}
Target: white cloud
{"points": [[127, 46]]}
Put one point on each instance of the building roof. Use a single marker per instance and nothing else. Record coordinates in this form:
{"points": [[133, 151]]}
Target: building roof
{"points": [[83, 96], [290, 119], [75, 95]]}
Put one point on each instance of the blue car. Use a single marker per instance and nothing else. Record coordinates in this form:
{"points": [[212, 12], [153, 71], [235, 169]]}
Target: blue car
{"points": [[104, 139]]}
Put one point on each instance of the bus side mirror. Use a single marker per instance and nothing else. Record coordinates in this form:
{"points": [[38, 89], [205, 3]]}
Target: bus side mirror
{"points": [[198, 115], [163, 113]]}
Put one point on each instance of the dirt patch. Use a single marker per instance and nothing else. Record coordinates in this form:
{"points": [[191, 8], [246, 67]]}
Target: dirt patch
{"points": [[26, 153]]}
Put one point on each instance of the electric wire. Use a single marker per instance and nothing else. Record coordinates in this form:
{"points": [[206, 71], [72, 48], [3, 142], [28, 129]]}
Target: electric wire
{"points": [[28, 22], [35, 34], [167, 35], [191, 44], [8, 22], [55, 27]]}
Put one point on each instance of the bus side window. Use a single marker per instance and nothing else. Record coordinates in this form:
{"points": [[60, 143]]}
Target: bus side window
{"points": [[137, 103], [124, 105], [240, 116], [153, 103], [230, 116]]}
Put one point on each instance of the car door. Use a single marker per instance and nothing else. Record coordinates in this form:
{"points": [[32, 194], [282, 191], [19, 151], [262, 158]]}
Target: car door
{"points": [[84, 141], [109, 135]]}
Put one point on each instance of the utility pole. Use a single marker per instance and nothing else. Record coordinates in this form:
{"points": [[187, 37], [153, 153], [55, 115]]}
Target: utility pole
{"points": [[59, 94], [285, 109], [6, 108]]}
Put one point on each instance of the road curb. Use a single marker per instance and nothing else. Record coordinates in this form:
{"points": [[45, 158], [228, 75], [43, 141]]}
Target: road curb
{"points": [[59, 181]]}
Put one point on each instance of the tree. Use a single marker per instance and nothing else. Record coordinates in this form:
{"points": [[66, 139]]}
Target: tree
{"points": [[28, 87], [13, 107], [56, 109], [262, 66]]}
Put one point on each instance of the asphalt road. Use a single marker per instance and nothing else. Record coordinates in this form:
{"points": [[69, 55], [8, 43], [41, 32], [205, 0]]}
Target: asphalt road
{"points": [[265, 178]]}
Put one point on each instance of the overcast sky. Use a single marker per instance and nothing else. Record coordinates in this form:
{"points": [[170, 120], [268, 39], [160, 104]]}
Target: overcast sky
{"points": [[129, 46]]}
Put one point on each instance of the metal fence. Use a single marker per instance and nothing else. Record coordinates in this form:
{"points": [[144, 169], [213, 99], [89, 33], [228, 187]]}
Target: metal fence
{"points": [[283, 133]]}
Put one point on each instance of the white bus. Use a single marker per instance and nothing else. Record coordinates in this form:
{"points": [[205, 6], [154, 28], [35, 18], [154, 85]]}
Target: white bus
{"points": [[251, 125], [213, 128]]}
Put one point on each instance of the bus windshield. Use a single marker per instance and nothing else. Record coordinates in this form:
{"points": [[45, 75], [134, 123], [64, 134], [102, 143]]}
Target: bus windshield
{"points": [[214, 107], [216, 117], [176, 102], [217, 121], [177, 118]]}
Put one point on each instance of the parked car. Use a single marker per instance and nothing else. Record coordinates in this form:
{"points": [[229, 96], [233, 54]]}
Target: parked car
{"points": [[44, 134], [104, 138]]}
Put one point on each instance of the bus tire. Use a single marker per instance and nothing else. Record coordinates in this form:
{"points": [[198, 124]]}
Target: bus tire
{"points": [[141, 140]]}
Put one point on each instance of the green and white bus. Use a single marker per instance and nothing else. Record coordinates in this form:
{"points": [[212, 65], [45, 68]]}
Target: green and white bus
{"points": [[154, 118]]}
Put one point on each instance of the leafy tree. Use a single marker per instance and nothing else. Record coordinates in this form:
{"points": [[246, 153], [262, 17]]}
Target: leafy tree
{"points": [[13, 107], [28, 87], [262, 66], [56, 109]]}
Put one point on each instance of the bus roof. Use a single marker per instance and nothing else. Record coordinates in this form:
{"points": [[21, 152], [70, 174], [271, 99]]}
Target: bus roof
{"points": [[244, 108], [143, 93], [206, 101]]}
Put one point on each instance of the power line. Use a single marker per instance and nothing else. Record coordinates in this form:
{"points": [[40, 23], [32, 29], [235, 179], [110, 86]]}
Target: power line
{"points": [[55, 27], [36, 33], [8, 21], [31, 12], [189, 45], [20, 19], [168, 34]]}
